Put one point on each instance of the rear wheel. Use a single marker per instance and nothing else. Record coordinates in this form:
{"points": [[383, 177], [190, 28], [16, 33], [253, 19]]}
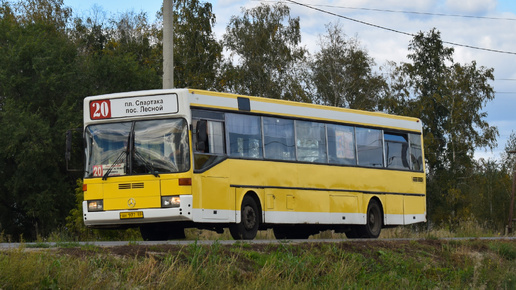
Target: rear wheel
{"points": [[247, 228], [373, 226], [374, 222]]}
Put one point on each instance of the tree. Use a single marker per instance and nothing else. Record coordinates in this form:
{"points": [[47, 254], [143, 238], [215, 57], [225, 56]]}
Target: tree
{"points": [[490, 193], [120, 54], [509, 159], [342, 73], [449, 98], [197, 54], [48, 67], [269, 62], [36, 85]]}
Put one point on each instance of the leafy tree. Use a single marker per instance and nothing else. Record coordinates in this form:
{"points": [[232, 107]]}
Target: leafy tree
{"points": [[36, 85], [48, 66], [490, 193], [342, 73], [119, 55], [197, 54], [449, 98], [509, 159], [269, 62]]}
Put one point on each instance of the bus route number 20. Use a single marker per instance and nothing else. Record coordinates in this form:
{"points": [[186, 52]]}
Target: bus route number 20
{"points": [[100, 109]]}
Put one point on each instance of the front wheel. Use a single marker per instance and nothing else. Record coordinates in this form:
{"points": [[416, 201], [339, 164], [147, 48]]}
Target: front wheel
{"points": [[247, 228]]}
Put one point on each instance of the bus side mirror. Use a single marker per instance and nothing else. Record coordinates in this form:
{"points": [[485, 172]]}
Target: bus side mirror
{"points": [[69, 150], [202, 136]]}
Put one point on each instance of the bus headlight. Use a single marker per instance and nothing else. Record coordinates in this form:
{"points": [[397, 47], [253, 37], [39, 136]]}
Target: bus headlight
{"points": [[95, 205], [170, 201]]}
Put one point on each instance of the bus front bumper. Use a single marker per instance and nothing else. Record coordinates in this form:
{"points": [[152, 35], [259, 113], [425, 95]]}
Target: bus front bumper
{"points": [[139, 216]]}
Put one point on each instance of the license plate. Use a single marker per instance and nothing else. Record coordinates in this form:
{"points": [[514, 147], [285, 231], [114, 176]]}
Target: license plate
{"points": [[131, 215]]}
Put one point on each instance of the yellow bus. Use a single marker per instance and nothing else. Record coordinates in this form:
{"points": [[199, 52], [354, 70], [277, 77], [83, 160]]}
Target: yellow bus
{"points": [[166, 160]]}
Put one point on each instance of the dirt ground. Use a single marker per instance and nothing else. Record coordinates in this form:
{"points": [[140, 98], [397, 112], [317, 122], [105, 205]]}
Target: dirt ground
{"points": [[365, 248]]}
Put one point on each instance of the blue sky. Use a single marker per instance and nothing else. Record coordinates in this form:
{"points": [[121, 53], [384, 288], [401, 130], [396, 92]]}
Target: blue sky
{"points": [[383, 46]]}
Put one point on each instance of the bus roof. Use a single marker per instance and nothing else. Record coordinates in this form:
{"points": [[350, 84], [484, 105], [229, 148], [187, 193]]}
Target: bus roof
{"points": [[268, 106], [260, 105]]}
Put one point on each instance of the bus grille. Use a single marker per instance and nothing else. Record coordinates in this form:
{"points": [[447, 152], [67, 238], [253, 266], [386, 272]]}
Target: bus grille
{"points": [[138, 185]]}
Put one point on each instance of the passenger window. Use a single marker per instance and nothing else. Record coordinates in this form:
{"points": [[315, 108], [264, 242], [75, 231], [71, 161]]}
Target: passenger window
{"points": [[244, 135], [369, 147], [311, 142], [341, 144], [396, 150], [416, 152], [278, 136]]}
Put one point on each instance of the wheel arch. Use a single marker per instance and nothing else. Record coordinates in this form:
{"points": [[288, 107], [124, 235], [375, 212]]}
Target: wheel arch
{"points": [[378, 200], [255, 196], [240, 194]]}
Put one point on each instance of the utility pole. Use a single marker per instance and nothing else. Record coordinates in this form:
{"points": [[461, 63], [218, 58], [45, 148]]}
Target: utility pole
{"points": [[168, 44], [510, 221]]}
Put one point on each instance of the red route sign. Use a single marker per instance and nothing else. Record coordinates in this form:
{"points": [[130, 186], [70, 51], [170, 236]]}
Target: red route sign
{"points": [[100, 109]]}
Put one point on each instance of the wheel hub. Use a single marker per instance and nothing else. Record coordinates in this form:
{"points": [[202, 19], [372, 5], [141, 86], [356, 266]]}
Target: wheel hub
{"points": [[249, 218]]}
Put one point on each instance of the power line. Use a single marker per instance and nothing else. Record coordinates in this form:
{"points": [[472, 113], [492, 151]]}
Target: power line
{"points": [[397, 31], [417, 13], [408, 12]]}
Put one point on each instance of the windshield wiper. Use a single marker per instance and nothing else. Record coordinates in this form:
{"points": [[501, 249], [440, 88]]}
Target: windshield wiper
{"points": [[117, 161], [126, 151], [148, 166]]}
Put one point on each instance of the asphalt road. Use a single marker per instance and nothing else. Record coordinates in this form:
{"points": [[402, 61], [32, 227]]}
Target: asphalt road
{"points": [[47, 245]]}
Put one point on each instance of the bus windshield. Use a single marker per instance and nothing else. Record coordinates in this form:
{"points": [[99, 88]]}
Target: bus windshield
{"points": [[139, 147]]}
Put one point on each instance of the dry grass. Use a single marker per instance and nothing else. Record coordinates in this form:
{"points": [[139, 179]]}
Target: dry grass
{"points": [[373, 264], [467, 228]]}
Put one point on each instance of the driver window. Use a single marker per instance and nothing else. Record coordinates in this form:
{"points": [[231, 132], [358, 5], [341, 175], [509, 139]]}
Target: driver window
{"points": [[210, 137], [209, 143]]}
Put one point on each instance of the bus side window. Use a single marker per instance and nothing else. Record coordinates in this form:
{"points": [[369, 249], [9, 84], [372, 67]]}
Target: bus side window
{"points": [[396, 150], [278, 136], [416, 152], [215, 143], [202, 136], [341, 144], [209, 137], [208, 143], [369, 147], [244, 136], [311, 142]]}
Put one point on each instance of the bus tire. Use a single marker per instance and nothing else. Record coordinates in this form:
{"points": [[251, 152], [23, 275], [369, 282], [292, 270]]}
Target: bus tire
{"points": [[249, 223], [373, 226], [352, 233]]}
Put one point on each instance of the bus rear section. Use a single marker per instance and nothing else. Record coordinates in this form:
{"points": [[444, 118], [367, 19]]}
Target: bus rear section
{"points": [[302, 168]]}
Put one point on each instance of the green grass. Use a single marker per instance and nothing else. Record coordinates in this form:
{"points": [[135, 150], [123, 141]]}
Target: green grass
{"points": [[425, 263]]}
